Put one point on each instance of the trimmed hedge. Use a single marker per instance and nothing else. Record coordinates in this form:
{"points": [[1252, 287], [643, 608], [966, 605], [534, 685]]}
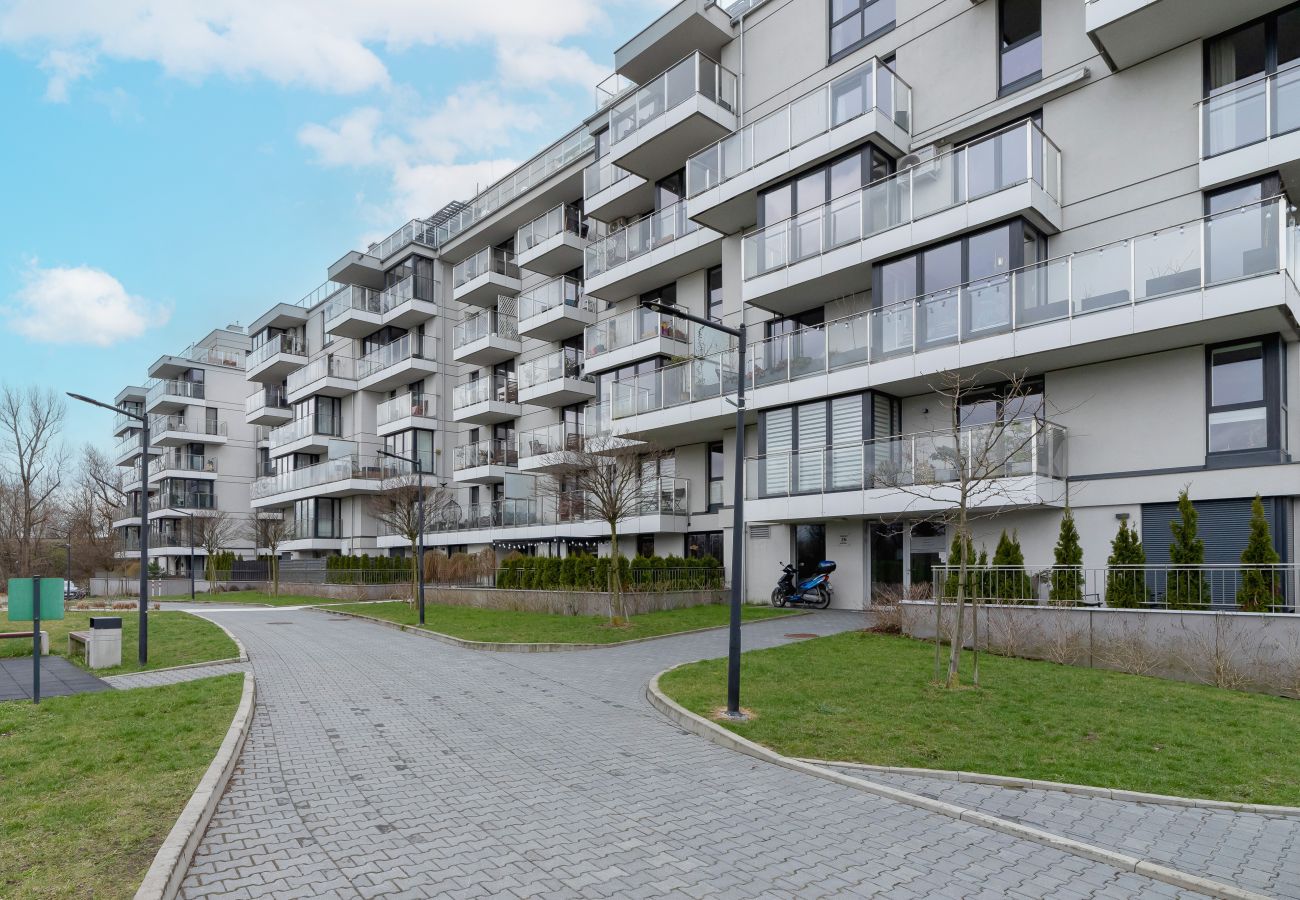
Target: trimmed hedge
{"points": [[591, 573], [367, 569]]}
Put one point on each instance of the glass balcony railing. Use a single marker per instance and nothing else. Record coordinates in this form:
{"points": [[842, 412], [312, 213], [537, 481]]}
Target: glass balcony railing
{"points": [[320, 294], [601, 175], [613, 87], [489, 259], [563, 363], [170, 499], [321, 425], [413, 287], [498, 387], [696, 75], [562, 291], [214, 356], [185, 462], [406, 347], [872, 86], [1015, 155], [416, 231], [184, 390], [280, 343], [343, 367], [632, 327], [271, 398], [1024, 447], [122, 420], [701, 378], [557, 438], [488, 323], [639, 237], [659, 496], [1250, 112], [344, 468], [496, 452], [412, 404], [546, 226], [349, 299], [1257, 239], [196, 425]]}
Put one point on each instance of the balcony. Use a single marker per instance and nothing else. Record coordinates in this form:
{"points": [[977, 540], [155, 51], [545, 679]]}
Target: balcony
{"points": [[128, 450], [688, 106], [827, 251], [171, 395], [172, 366], [544, 449], [555, 310], [1250, 129], [409, 302], [868, 102], [1127, 32], [409, 358], [413, 410], [172, 431], [677, 402], [277, 356], [269, 406], [166, 500], [486, 338], [485, 276], [484, 462], [552, 243], [341, 477], [309, 434], [486, 401], [556, 379], [634, 335], [360, 268], [123, 423], [181, 464], [610, 192], [1223, 277], [653, 250], [911, 473], [328, 376], [353, 312], [688, 25]]}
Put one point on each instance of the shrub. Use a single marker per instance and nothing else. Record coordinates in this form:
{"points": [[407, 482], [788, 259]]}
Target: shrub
{"points": [[1012, 584], [1067, 575], [953, 581], [1187, 587], [1126, 588], [1258, 591]]}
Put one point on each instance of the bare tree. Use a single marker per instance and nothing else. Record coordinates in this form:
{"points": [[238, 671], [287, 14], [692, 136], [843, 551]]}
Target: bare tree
{"points": [[959, 471], [604, 477], [397, 509], [33, 463], [88, 507], [269, 530], [213, 531]]}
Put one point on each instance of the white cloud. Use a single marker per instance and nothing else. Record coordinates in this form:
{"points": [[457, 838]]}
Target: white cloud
{"points": [[65, 67], [535, 62], [80, 305]]}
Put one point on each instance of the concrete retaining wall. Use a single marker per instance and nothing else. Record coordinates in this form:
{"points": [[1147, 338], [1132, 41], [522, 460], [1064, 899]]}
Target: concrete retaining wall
{"points": [[1244, 651]]}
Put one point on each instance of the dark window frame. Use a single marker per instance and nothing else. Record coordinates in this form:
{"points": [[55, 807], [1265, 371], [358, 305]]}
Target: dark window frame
{"points": [[868, 421], [864, 150], [1025, 81], [859, 10], [1274, 403]]}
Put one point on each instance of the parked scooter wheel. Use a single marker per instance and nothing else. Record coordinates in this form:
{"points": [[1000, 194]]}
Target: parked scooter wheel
{"points": [[778, 598], [823, 597]]}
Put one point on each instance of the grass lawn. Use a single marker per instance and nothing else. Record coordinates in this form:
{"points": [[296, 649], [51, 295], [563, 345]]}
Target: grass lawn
{"points": [[867, 698], [508, 626], [88, 793], [255, 597], [175, 639]]}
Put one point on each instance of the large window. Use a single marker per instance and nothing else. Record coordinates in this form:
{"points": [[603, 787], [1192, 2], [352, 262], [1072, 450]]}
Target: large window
{"points": [[811, 189], [414, 444], [820, 446], [715, 294], [1239, 99], [716, 472], [1245, 398], [1020, 36], [858, 22], [700, 544]]}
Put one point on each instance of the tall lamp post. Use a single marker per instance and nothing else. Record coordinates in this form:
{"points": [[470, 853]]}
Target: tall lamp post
{"points": [[738, 497], [419, 517], [143, 419]]}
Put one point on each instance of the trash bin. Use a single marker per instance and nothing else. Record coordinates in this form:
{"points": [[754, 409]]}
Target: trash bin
{"points": [[104, 643]]}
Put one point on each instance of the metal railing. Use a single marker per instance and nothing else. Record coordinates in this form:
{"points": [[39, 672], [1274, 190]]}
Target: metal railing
{"points": [[1021, 448], [214, 356], [563, 363], [600, 176], [321, 367], [632, 327], [196, 425], [268, 398], [696, 75], [280, 343], [557, 220], [412, 404], [322, 425], [1018, 154], [699, 378], [494, 452], [406, 347], [637, 238], [497, 387], [349, 299], [489, 259], [188, 390], [1250, 112], [416, 231], [412, 287], [869, 87], [558, 438], [178, 460], [1208, 587], [483, 324], [562, 291], [372, 470]]}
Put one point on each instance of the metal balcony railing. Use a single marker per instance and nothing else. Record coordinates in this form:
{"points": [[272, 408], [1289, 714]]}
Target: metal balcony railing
{"points": [[696, 75], [1250, 112], [498, 387], [280, 343], [494, 452], [489, 259], [632, 327], [342, 367]]}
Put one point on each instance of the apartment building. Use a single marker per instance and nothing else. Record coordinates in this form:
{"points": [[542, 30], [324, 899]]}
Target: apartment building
{"points": [[1091, 196], [201, 453]]}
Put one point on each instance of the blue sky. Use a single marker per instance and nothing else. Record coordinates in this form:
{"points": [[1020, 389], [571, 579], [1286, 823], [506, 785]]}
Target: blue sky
{"points": [[170, 166]]}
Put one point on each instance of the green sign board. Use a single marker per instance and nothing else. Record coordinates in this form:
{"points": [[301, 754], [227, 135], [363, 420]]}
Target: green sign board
{"points": [[20, 598]]}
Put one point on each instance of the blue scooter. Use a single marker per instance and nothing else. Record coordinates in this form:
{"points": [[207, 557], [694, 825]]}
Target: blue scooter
{"points": [[814, 592]]}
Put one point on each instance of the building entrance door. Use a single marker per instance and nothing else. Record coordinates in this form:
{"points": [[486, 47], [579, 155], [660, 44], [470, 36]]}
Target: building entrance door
{"points": [[809, 548]]}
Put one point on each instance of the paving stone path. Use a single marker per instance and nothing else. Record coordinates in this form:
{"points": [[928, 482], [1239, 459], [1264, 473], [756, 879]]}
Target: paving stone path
{"points": [[385, 764]]}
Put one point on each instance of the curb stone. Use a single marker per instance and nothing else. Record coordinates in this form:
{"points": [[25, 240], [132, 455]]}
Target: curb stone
{"points": [[506, 647], [698, 725], [1085, 790], [163, 880]]}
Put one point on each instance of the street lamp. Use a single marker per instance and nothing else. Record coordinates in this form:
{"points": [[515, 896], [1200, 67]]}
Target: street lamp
{"points": [[738, 498], [143, 642], [419, 535]]}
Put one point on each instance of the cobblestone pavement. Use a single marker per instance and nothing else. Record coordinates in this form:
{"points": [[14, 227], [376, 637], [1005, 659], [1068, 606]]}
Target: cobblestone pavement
{"points": [[1258, 852], [385, 764], [173, 676]]}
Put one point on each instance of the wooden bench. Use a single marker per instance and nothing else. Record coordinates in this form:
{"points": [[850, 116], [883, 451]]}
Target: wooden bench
{"points": [[45, 638]]}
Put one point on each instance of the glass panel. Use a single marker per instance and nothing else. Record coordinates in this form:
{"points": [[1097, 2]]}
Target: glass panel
{"points": [[1237, 375], [1167, 261], [1242, 242], [1100, 278], [1240, 429]]}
